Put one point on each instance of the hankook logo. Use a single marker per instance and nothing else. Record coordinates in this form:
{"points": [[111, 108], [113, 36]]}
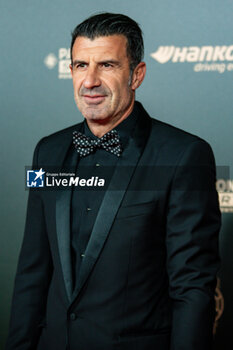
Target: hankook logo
{"points": [[215, 58]]}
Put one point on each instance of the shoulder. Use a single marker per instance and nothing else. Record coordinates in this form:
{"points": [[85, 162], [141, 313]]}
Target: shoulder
{"points": [[59, 136], [170, 133], [173, 143], [53, 146], [165, 132], [181, 145]]}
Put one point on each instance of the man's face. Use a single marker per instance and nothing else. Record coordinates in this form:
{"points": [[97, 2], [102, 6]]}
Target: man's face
{"points": [[101, 77]]}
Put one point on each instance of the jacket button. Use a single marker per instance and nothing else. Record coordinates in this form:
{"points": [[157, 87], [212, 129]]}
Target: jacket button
{"points": [[72, 316]]}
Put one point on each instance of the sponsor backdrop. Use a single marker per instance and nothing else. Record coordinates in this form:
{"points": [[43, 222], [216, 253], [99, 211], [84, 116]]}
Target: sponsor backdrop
{"points": [[189, 56]]}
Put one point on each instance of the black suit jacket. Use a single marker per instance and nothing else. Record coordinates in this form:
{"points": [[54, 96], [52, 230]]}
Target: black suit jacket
{"points": [[148, 276]]}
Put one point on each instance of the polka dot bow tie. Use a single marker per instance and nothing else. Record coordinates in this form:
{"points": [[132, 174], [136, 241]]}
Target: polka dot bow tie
{"points": [[110, 142]]}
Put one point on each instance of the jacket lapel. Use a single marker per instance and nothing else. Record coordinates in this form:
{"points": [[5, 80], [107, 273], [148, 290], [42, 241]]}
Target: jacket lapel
{"points": [[124, 170], [63, 203]]}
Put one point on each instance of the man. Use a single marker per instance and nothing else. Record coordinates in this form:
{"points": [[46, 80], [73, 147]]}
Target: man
{"points": [[133, 266]]}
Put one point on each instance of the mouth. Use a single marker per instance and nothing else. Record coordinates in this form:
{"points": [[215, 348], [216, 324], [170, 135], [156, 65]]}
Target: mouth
{"points": [[93, 99]]}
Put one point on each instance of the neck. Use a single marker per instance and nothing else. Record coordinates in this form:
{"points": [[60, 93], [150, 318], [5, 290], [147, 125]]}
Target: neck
{"points": [[100, 127]]}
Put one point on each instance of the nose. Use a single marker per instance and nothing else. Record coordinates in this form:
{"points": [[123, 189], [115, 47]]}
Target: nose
{"points": [[92, 78]]}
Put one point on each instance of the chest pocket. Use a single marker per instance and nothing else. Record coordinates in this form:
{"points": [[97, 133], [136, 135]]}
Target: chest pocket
{"points": [[136, 210]]}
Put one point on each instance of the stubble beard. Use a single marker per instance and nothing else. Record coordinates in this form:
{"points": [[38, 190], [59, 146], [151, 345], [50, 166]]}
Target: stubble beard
{"points": [[94, 113]]}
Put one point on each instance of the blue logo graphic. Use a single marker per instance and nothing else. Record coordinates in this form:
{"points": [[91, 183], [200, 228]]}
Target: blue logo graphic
{"points": [[35, 178]]}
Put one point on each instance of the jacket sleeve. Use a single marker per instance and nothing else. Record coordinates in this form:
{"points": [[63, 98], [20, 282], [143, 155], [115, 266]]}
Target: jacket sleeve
{"points": [[32, 278], [193, 224]]}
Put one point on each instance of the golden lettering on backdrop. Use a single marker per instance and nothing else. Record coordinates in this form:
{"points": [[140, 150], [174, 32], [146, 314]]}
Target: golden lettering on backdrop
{"points": [[219, 305]]}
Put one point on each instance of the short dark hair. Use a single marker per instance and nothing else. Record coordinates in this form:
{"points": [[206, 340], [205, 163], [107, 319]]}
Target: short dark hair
{"points": [[105, 24]]}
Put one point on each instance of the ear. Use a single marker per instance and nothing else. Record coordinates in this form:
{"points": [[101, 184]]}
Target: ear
{"points": [[71, 69], [138, 75]]}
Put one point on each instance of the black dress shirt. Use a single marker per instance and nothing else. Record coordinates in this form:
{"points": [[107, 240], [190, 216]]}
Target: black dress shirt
{"points": [[86, 201]]}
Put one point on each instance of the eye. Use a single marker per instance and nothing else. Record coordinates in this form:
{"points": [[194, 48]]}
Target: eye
{"points": [[106, 65], [80, 65]]}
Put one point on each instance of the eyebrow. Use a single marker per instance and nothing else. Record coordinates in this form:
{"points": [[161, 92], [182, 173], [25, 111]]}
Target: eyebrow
{"points": [[111, 61], [77, 61]]}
